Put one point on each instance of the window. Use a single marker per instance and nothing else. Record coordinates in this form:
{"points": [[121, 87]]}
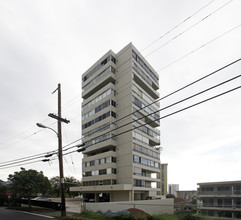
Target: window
{"points": [[108, 159], [137, 102], [108, 171], [136, 159], [223, 188], [137, 171], [98, 78], [140, 138], [102, 172], [95, 173], [140, 183], [144, 161], [100, 129], [99, 139], [100, 118], [95, 69], [145, 67]]}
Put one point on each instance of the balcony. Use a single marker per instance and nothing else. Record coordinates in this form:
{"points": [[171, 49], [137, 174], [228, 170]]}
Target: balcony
{"points": [[102, 146], [206, 206], [107, 76], [154, 94], [220, 194]]}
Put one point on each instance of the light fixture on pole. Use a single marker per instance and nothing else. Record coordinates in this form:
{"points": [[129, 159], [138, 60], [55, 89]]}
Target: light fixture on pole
{"points": [[43, 126]]}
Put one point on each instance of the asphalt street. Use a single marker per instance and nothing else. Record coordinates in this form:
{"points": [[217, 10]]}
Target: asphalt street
{"points": [[8, 214]]}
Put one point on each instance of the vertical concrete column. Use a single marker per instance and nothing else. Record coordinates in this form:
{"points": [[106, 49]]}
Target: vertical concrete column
{"points": [[96, 197], [110, 196], [132, 194]]}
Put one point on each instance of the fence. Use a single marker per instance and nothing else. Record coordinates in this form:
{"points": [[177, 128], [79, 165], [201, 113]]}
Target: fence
{"points": [[45, 204]]}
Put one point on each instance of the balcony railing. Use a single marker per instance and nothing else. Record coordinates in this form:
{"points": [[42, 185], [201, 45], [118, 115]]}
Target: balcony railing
{"points": [[215, 193], [211, 205]]}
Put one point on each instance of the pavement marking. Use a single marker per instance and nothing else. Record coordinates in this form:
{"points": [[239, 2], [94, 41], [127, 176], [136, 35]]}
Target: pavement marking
{"points": [[31, 213]]}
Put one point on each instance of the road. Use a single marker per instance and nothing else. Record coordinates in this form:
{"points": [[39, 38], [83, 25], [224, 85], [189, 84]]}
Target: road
{"points": [[7, 214]]}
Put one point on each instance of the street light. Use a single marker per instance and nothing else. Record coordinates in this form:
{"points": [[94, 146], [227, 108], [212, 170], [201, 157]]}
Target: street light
{"points": [[63, 205], [43, 126]]}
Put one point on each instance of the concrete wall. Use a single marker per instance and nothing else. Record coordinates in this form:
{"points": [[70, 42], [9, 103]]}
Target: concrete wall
{"points": [[151, 207]]}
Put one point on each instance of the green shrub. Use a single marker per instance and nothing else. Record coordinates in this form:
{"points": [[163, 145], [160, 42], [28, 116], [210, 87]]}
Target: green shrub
{"points": [[188, 217], [122, 217]]}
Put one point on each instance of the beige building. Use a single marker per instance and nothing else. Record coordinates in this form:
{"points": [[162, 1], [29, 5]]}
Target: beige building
{"points": [[220, 199], [119, 126]]}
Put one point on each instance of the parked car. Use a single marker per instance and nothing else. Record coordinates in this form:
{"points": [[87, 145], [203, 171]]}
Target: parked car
{"points": [[43, 199]]}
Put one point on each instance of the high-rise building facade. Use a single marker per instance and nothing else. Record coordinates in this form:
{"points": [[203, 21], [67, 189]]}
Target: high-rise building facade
{"points": [[173, 188], [119, 126]]}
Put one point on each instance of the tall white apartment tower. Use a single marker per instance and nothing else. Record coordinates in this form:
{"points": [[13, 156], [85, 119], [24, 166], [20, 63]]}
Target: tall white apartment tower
{"points": [[119, 127]]}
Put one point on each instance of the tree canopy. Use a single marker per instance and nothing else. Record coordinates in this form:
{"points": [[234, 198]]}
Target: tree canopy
{"points": [[168, 196], [28, 183], [68, 182]]}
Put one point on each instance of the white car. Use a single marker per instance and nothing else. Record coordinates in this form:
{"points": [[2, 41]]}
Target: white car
{"points": [[43, 199]]}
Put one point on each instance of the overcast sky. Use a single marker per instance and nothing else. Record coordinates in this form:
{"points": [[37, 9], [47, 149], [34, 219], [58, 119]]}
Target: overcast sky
{"points": [[43, 43]]}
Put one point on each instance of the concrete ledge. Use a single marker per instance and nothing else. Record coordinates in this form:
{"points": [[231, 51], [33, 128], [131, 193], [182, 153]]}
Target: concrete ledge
{"points": [[151, 207], [107, 188]]}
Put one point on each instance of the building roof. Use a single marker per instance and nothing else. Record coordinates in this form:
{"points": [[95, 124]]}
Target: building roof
{"points": [[221, 183]]}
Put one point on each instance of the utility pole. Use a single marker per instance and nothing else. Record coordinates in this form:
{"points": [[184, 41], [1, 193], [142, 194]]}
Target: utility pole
{"points": [[61, 169], [60, 154]]}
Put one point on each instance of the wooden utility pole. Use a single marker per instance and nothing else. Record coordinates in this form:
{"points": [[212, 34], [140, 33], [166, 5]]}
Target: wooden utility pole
{"points": [[61, 169], [60, 153]]}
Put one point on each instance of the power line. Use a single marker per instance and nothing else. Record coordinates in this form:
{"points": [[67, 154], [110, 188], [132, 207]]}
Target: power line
{"points": [[181, 33], [208, 75], [191, 52], [22, 164], [160, 118], [171, 105], [175, 27], [186, 86], [170, 114]]}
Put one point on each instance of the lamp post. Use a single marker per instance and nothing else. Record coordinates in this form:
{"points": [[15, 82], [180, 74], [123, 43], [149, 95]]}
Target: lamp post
{"points": [[43, 126], [61, 170]]}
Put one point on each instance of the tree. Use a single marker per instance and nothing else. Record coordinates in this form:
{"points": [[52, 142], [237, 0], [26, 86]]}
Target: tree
{"points": [[68, 182], [27, 183], [168, 196], [55, 185]]}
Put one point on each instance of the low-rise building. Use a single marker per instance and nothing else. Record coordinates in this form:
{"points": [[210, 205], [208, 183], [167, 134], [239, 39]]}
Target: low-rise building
{"points": [[220, 199], [188, 195]]}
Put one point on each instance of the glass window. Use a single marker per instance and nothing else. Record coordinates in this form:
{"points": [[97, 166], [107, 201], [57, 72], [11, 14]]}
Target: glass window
{"points": [[136, 159], [108, 170], [137, 171]]}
